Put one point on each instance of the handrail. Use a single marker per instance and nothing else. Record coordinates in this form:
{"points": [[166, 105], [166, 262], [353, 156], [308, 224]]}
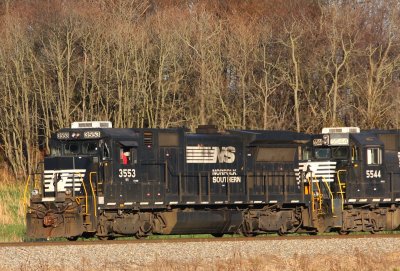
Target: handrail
{"points": [[93, 194], [330, 193], [319, 193], [340, 185], [84, 188], [311, 182]]}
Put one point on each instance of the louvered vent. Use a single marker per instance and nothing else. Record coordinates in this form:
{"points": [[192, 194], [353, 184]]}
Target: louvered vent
{"points": [[148, 139], [340, 130], [91, 124]]}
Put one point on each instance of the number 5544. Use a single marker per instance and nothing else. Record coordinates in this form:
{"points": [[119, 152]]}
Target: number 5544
{"points": [[373, 174]]}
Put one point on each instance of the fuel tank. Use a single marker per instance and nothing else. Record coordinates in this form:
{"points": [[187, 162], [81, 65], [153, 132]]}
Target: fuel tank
{"points": [[202, 221]]}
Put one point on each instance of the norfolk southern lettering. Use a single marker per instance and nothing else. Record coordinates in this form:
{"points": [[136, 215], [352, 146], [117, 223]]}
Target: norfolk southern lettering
{"points": [[226, 175]]}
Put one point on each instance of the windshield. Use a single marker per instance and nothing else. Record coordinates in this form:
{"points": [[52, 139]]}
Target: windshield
{"points": [[333, 152], [69, 148], [340, 152], [322, 153]]}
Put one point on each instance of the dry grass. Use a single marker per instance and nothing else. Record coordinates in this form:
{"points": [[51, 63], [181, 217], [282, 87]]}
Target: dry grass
{"points": [[12, 209]]}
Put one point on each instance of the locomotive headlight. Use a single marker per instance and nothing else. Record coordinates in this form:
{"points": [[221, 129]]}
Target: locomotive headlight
{"points": [[75, 135], [34, 192], [325, 140], [91, 134], [63, 135], [68, 191]]}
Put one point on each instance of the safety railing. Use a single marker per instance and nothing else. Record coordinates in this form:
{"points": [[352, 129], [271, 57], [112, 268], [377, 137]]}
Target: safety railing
{"points": [[330, 193], [341, 186], [84, 190], [93, 192]]}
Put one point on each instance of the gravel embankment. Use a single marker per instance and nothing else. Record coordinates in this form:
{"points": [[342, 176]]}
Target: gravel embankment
{"points": [[265, 254]]}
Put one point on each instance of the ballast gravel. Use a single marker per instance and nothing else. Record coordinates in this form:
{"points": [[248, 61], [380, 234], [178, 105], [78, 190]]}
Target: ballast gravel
{"points": [[156, 255]]}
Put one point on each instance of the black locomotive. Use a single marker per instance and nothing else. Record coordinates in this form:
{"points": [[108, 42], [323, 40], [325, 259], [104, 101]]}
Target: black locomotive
{"points": [[354, 178], [107, 182]]}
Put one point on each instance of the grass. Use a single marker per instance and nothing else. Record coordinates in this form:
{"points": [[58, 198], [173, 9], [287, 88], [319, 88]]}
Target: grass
{"points": [[12, 209]]}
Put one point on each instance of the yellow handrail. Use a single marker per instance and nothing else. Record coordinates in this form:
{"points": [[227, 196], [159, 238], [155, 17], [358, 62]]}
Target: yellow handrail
{"points": [[93, 194], [312, 193], [340, 185], [84, 189], [319, 194]]}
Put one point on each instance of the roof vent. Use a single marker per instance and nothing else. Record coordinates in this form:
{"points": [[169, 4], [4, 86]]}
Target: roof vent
{"points": [[91, 124], [340, 130]]}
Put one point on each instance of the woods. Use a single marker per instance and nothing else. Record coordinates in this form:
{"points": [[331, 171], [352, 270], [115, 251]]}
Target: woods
{"points": [[295, 65]]}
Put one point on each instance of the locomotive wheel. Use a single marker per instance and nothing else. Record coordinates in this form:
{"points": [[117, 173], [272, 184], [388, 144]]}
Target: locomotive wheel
{"points": [[342, 232], [248, 234], [141, 236], [245, 230], [281, 232], [218, 235], [374, 227], [72, 238], [105, 238]]}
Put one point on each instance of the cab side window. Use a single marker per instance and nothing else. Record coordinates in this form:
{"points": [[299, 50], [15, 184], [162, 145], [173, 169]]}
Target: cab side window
{"points": [[354, 153], [105, 151], [307, 153], [124, 156], [374, 156], [127, 155]]}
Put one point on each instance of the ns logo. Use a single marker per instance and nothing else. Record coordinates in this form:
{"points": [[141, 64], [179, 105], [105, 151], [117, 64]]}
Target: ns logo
{"points": [[205, 155], [226, 154]]}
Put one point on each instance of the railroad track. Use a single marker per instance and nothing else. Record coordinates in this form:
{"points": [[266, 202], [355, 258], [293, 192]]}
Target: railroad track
{"points": [[196, 240]]}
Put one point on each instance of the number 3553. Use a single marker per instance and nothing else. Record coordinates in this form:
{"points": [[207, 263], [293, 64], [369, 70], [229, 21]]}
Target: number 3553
{"points": [[127, 173]]}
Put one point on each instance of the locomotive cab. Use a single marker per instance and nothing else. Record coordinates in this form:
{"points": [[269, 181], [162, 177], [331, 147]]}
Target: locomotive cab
{"points": [[356, 160], [63, 202], [360, 185]]}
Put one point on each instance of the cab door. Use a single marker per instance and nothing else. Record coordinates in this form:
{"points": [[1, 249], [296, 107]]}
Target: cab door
{"points": [[127, 183], [375, 185], [105, 179]]}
